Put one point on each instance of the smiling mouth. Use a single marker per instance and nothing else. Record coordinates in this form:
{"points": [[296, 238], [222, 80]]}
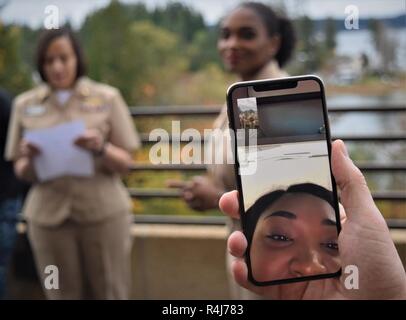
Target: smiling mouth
{"points": [[233, 59]]}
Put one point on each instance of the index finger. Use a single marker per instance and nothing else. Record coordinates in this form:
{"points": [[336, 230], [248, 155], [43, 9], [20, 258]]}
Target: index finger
{"points": [[80, 139], [172, 183], [29, 144]]}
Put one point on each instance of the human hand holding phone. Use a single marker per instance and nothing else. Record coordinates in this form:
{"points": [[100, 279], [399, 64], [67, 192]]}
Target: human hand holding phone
{"points": [[364, 242]]}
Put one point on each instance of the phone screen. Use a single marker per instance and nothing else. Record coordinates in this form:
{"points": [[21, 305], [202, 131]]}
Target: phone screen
{"points": [[288, 199]]}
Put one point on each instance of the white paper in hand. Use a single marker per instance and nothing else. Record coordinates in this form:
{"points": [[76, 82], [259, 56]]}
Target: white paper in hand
{"points": [[59, 155]]}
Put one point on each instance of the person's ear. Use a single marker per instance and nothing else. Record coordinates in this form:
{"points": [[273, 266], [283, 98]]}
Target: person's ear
{"points": [[274, 45]]}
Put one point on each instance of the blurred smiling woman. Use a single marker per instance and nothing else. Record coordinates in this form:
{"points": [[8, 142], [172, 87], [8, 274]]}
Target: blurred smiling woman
{"points": [[79, 224], [254, 43]]}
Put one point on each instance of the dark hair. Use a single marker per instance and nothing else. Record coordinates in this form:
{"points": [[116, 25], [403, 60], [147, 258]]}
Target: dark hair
{"points": [[45, 40], [255, 211], [276, 25]]}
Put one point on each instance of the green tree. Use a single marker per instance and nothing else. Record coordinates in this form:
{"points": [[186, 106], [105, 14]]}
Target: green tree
{"points": [[180, 19], [138, 57], [330, 33], [307, 47], [203, 49], [312, 50], [155, 67], [385, 45], [14, 73]]}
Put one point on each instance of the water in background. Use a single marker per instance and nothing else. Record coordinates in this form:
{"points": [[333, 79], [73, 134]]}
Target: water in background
{"points": [[356, 42], [377, 124]]}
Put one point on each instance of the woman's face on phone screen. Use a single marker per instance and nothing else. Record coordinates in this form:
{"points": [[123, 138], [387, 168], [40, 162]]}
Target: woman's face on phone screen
{"points": [[295, 237]]}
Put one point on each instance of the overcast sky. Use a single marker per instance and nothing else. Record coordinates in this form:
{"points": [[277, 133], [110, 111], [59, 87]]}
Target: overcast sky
{"points": [[32, 11]]}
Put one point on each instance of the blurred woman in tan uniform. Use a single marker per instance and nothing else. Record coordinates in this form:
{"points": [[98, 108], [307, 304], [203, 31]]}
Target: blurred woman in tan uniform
{"points": [[254, 43], [78, 224]]}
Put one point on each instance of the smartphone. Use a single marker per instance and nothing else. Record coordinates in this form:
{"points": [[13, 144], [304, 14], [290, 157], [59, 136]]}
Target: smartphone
{"points": [[287, 193]]}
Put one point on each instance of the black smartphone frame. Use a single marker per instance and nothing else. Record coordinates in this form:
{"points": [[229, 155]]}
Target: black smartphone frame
{"points": [[277, 84]]}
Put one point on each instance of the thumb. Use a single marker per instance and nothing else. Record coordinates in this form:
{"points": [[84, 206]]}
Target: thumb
{"points": [[354, 192]]}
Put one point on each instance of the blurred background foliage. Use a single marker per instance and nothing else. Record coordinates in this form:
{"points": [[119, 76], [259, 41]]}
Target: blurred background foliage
{"points": [[149, 54], [155, 55]]}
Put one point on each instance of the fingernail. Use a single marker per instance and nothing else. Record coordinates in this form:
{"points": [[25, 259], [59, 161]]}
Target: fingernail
{"points": [[344, 149]]}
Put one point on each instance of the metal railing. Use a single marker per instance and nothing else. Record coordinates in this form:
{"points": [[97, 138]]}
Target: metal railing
{"points": [[199, 111]]}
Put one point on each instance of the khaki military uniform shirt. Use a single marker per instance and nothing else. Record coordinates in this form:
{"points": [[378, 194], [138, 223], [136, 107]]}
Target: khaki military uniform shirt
{"points": [[83, 199]]}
